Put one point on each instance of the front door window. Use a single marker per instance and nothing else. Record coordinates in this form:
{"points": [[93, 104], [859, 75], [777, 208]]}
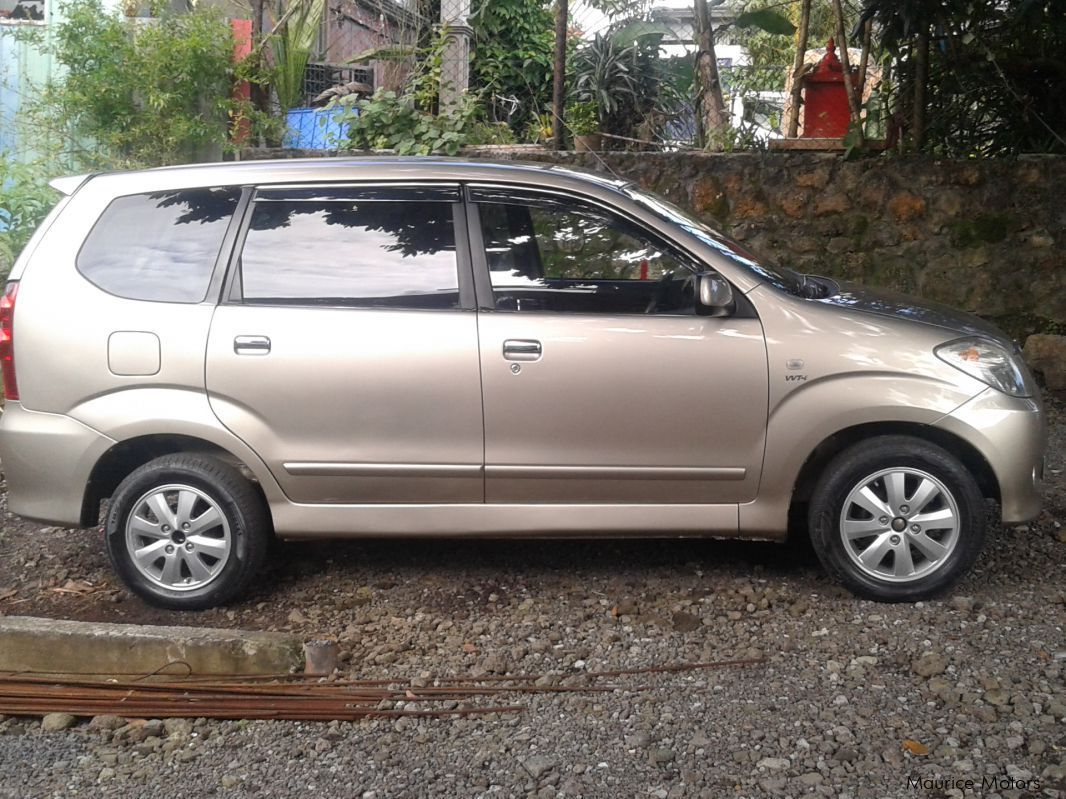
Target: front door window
{"points": [[552, 255]]}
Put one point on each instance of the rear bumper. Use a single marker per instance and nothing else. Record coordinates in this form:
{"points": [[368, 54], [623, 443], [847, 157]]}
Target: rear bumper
{"points": [[47, 459], [1011, 434]]}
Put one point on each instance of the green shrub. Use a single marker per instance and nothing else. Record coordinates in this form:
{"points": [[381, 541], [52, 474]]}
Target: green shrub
{"points": [[128, 93], [388, 121], [25, 199], [406, 122], [514, 46], [136, 92], [583, 118]]}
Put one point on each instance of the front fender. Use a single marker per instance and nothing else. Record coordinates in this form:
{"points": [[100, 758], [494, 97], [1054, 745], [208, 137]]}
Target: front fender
{"points": [[813, 412]]}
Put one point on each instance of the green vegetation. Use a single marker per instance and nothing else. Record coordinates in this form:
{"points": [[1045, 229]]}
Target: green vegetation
{"points": [[996, 71], [405, 121], [635, 91], [291, 48], [583, 118], [133, 93], [391, 121], [25, 199], [513, 58]]}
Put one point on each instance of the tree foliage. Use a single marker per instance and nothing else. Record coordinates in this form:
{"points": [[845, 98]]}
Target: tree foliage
{"points": [[406, 121], [25, 199], [997, 72], [772, 46], [513, 57], [136, 92]]}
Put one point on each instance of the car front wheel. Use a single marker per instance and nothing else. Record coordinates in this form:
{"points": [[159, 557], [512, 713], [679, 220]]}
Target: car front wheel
{"points": [[897, 519], [187, 532]]}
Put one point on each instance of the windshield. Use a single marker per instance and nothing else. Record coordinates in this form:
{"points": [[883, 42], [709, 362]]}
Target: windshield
{"points": [[785, 279]]}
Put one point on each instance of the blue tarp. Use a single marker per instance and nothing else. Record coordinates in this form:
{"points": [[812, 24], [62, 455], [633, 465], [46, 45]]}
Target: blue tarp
{"points": [[314, 129]]}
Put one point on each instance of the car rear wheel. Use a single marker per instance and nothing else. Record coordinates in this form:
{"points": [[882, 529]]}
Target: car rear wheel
{"points": [[187, 532], [897, 519]]}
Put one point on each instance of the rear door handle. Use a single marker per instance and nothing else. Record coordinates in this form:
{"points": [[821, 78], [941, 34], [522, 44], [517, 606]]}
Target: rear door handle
{"points": [[251, 345], [522, 349]]}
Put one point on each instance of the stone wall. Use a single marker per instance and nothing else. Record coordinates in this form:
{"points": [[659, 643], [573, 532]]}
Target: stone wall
{"points": [[987, 236]]}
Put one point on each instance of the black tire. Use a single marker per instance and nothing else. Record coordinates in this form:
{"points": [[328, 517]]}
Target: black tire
{"points": [[850, 470], [249, 528]]}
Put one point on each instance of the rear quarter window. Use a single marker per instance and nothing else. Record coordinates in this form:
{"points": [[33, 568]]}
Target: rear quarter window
{"points": [[160, 246]]}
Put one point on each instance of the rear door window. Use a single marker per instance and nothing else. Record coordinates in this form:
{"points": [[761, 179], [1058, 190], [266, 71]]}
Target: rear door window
{"points": [[392, 248], [160, 246]]}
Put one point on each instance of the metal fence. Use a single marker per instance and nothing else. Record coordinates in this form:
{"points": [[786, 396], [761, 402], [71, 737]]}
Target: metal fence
{"points": [[370, 42], [586, 20], [373, 43]]}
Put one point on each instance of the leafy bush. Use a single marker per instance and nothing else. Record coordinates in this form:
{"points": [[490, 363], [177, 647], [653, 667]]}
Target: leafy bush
{"points": [[582, 118], [478, 131], [406, 122], [25, 199], [136, 92], [622, 74], [539, 130], [996, 72], [389, 121], [514, 45], [605, 74]]}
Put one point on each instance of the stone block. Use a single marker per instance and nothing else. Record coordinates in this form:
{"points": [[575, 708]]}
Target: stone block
{"points": [[1046, 353], [50, 646]]}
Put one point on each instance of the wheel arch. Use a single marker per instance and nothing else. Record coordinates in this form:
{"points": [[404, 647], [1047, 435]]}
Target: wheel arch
{"points": [[125, 456], [833, 445]]}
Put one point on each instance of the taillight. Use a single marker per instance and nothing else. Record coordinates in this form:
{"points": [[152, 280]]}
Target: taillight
{"points": [[7, 340]]}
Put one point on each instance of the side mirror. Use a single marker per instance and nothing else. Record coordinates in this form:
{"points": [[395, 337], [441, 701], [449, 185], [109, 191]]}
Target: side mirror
{"points": [[714, 295]]}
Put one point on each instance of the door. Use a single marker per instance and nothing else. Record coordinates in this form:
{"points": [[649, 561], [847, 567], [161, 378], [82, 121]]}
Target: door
{"points": [[601, 383], [346, 355]]}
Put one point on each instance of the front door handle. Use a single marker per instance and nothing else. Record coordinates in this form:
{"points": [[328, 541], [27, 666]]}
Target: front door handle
{"points": [[251, 345], [522, 349]]}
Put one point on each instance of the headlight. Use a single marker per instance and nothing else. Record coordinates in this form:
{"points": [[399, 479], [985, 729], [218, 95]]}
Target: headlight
{"points": [[989, 362]]}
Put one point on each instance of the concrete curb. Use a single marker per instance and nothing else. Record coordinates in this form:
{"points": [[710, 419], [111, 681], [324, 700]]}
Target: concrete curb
{"points": [[53, 646]]}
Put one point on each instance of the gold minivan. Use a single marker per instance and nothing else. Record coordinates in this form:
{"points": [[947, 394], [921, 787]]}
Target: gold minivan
{"points": [[431, 347]]}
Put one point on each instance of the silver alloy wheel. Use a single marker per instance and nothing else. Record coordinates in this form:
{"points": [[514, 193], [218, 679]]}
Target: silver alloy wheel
{"points": [[900, 524], [178, 537]]}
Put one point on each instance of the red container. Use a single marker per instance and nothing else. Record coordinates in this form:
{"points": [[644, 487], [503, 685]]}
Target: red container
{"points": [[825, 99]]}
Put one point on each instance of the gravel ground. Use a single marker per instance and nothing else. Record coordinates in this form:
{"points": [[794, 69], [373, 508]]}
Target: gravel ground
{"points": [[854, 699]]}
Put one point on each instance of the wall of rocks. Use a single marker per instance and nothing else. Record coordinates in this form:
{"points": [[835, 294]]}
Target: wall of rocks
{"points": [[987, 236]]}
